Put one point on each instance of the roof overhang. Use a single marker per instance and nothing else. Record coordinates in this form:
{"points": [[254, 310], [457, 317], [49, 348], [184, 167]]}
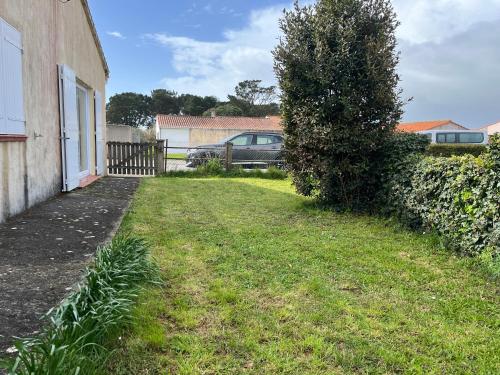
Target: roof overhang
{"points": [[98, 44]]}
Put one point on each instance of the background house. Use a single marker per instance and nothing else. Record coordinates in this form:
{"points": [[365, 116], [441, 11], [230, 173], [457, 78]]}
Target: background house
{"points": [[415, 127], [50, 50], [492, 129], [192, 131], [446, 131]]}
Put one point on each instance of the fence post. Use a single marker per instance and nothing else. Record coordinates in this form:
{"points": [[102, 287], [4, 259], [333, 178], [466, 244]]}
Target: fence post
{"points": [[229, 156], [160, 157], [165, 156]]}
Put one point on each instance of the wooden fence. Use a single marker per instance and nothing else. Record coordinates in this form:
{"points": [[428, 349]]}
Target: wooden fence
{"points": [[136, 159]]}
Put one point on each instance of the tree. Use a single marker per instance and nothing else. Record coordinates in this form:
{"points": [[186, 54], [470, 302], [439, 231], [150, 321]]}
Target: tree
{"points": [[130, 109], [164, 102], [224, 110], [195, 105], [336, 67], [254, 99], [252, 92]]}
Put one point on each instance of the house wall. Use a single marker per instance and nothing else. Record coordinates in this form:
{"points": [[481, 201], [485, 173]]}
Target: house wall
{"points": [[210, 136], [74, 30], [119, 133], [176, 138], [493, 129], [52, 33], [449, 127]]}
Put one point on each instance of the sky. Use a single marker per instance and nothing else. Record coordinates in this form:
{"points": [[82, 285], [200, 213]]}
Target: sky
{"points": [[450, 50]]}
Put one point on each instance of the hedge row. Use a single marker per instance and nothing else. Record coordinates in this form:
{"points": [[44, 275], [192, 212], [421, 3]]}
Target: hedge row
{"points": [[73, 343], [458, 197], [448, 150]]}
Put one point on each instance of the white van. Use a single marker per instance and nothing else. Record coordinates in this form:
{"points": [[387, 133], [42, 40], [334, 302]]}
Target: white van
{"points": [[477, 137]]}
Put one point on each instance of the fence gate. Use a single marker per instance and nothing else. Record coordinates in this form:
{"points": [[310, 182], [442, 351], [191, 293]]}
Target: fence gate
{"points": [[136, 159]]}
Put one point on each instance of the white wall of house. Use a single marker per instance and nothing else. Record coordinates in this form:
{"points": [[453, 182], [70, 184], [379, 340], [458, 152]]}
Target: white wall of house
{"points": [[449, 126], [176, 138], [52, 33], [492, 129]]}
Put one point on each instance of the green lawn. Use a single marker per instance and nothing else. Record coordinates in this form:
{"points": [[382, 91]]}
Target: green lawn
{"points": [[176, 156], [259, 281]]}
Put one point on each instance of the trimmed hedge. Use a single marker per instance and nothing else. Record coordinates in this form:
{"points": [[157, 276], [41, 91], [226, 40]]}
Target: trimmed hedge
{"points": [[448, 150], [73, 342], [458, 197]]}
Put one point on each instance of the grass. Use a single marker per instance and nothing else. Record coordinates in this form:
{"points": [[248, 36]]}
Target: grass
{"points": [[260, 281], [176, 156]]}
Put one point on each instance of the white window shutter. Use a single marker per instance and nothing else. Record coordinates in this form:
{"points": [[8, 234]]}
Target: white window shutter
{"points": [[3, 126], [99, 135], [69, 129], [12, 70]]}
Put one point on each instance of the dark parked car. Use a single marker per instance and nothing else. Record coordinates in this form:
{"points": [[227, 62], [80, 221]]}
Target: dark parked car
{"points": [[249, 148]]}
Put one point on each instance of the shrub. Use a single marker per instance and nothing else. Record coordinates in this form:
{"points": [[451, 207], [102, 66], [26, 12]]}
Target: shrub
{"points": [[273, 173], [447, 150], [213, 166], [73, 343], [458, 197], [336, 66], [400, 154]]}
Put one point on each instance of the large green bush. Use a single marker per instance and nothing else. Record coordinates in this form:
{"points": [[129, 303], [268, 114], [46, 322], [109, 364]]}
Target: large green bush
{"points": [[458, 197], [336, 66], [401, 152]]}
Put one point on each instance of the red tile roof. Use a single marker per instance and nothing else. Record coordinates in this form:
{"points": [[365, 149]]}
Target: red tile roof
{"points": [[424, 125], [271, 123]]}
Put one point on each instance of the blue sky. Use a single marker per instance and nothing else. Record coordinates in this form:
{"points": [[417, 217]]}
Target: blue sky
{"points": [[450, 50], [137, 62]]}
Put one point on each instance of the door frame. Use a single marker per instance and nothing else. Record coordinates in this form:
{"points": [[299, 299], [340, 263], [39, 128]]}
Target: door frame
{"points": [[85, 173]]}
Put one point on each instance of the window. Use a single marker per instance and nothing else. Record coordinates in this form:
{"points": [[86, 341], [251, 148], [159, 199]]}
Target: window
{"points": [[11, 81], [429, 136], [446, 138], [242, 140], [266, 139], [471, 137], [460, 137]]}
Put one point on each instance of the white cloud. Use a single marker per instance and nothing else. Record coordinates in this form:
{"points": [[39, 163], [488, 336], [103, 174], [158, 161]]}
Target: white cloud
{"points": [[215, 68], [450, 50], [116, 34], [457, 78], [435, 20]]}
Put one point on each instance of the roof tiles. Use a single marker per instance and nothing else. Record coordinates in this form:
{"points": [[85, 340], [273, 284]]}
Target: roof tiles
{"points": [[219, 122]]}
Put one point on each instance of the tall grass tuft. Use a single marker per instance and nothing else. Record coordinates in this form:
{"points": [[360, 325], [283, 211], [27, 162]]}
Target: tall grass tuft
{"points": [[80, 327]]}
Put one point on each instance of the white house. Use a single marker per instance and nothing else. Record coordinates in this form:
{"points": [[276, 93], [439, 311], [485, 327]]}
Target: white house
{"points": [[492, 129], [445, 131], [52, 103], [192, 131]]}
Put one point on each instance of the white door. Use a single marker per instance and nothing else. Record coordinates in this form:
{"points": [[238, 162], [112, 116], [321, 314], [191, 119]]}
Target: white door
{"points": [[99, 136], [70, 140]]}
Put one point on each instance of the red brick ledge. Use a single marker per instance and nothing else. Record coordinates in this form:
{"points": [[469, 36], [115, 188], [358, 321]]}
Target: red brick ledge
{"points": [[12, 138], [88, 181]]}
